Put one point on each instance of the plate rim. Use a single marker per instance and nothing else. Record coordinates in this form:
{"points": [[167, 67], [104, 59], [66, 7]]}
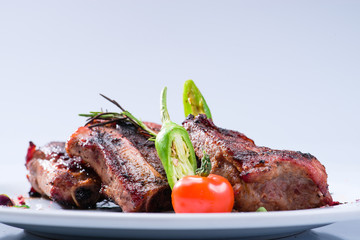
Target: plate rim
{"points": [[234, 220]]}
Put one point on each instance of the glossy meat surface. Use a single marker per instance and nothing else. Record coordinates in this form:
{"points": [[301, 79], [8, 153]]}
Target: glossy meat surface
{"points": [[127, 163], [68, 181], [260, 176]]}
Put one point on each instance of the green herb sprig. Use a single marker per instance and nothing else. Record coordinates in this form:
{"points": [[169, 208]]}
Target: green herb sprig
{"points": [[113, 117]]}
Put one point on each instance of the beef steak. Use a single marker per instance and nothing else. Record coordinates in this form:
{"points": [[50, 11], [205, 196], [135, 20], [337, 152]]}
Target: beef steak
{"points": [[66, 180], [260, 176], [127, 163]]}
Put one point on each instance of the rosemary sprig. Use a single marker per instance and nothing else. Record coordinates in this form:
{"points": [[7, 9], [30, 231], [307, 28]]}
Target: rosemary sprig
{"points": [[104, 115], [111, 117]]}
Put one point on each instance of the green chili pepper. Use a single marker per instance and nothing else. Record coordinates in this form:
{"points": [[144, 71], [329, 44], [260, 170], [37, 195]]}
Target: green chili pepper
{"points": [[174, 147], [193, 100], [261, 209]]}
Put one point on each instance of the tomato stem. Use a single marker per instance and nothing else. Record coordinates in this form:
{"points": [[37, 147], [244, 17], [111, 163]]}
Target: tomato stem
{"points": [[205, 168]]}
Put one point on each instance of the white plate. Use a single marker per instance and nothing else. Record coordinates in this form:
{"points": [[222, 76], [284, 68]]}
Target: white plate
{"points": [[48, 219], [45, 218]]}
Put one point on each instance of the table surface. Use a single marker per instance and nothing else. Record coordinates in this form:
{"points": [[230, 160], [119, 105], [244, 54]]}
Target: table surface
{"points": [[338, 231]]}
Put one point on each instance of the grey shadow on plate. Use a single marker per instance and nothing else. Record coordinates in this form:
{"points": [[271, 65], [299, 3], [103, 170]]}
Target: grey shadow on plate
{"points": [[23, 235], [308, 235], [312, 235]]}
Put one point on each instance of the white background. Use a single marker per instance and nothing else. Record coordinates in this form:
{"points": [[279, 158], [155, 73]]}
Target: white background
{"points": [[285, 73]]}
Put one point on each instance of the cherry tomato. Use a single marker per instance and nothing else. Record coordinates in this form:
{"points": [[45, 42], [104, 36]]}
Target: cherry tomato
{"points": [[195, 194]]}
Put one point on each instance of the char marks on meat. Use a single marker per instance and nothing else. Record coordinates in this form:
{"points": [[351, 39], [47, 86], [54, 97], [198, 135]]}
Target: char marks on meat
{"points": [[127, 163], [260, 176], [65, 180]]}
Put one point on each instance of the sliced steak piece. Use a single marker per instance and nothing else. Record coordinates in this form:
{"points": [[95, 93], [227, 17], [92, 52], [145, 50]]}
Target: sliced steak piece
{"points": [[65, 180], [260, 176], [127, 163]]}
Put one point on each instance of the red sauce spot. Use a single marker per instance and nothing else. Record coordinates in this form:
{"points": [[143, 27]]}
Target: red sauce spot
{"points": [[334, 203], [30, 152], [21, 200]]}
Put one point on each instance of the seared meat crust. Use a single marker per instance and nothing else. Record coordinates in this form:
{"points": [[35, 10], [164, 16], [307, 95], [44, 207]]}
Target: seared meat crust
{"points": [[65, 180], [260, 176], [127, 163]]}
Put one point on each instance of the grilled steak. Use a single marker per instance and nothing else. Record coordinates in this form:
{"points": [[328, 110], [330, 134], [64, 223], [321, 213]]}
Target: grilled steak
{"points": [[127, 163], [66, 180], [260, 176]]}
